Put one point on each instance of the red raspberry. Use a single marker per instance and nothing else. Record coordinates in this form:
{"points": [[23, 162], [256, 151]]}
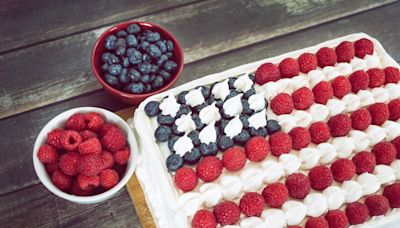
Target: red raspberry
{"points": [[392, 75], [90, 146], [364, 162], [54, 138], [341, 86], [234, 159], [76, 190], [47, 154], [76, 122], [227, 213], [90, 165], [396, 143], [343, 169], [337, 219], [275, 194], [108, 178], [363, 47], [376, 77], [359, 81], [251, 204], [280, 143], [322, 92], [107, 159], [209, 169], [377, 205], [104, 129], [185, 179], [204, 219], [114, 139], [121, 157], [394, 109], [303, 98], [317, 222], [320, 177], [307, 62], [379, 113], [94, 121], [345, 52], [319, 132], [392, 193], [71, 140], [326, 57], [339, 125], [384, 152], [298, 185], [267, 72], [51, 167], [360, 119], [68, 163], [300, 138], [257, 148], [61, 180], [88, 183], [289, 68], [87, 134], [282, 104], [357, 213]]}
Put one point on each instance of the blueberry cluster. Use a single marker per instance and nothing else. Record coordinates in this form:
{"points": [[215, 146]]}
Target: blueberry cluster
{"points": [[138, 61]]}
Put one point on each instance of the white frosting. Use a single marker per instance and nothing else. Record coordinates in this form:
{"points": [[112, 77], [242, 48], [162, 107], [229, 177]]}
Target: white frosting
{"points": [[234, 127], [284, 86], [211, 194], [287, 122], [369, 183], [330, 73], [182, 145], [375, 134], [194, 97], [209, 114], [309, 157], [243, 83], [257, 101], [221, 90], [335, 197], [352, 102], [384, 173], [393, 90], [252, 179], [316, 204], [319, 112], [273, 171], [270, 90], [302, 118], [327, 152], [372, 61], [366, 98], [233, 106], [344, 68], [300, 81], [252, 222], [274, 218], [358, 64], [396, 168], [185, 123], [294, 211], [335, 106], [231, 186], [258, 120], [315, 77], [190, 202], [291, 163], [169, 106], [352, 191], [208, 134], [360, 140], [380, 94], [344, 146], [392, 129]]}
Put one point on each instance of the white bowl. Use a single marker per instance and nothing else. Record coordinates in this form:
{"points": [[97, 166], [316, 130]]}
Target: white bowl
{"points": [[58, 122]]}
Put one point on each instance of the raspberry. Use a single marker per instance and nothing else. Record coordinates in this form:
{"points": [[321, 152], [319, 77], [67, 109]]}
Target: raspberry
{"points": [[71, 140], [337, 219], [234, 159], [300, 138], [341, 86], [379, 113], [289, 68], [298, 185], [185, 179], [384, 152], [68, 163], [275, 194], [121, 157], [257, 148], [320, 177], [326, 57], [394, 109], [94, 121], [303, 98], [87, 134], [377, 205], [107, 159], [357, 213], [396, 144], [204, 219], [360, 119], [108, 178], [88, 183], [89, 165], [307, 62], [282, 104], [61, 180], [54, 138], [319, 132], [104, 129], [90, 146], [209, 168], [392, 193], [280, 143], [114, 139], [317, 222], [392, 75], [339, 125], [47, 154], [376, 77], [267, 72], [359, 81], [251, 204], [343, 169], [51, 167], [76, 122], [76, 190], [345, 52], [364, 162], [322, 92], [363, 47], [227, 213]]}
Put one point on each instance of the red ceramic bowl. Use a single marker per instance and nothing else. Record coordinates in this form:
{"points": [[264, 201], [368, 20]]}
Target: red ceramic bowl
{"points": [[99, 49]]}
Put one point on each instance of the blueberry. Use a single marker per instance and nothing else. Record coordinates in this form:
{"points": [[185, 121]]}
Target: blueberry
{"points": [[162, 46], [205, 91], [231, 82], [105, 56], [147, 88], [170, 45], [115, 69], [198, 108], [251, 76], [111, 42], [144, 67], [163, 133], [249, 92], [262, 131], [105, 66], [121, 42], [152, 108], [137, 88], [144, 45], [224, 115], [161, 60], [146, 58], [153, 36], [175, 130], [223, 123], [169, 54], [192, 157], [111, 80], [135, 57], [158, 82], [197, 121], [152, 77], [122, 33], [242, 138], [165, 119], [120, 51], [181, 97], [225, 142], [154, 69], [210, 149], [167, 76], [232, 93], [219, 104], [113, 59], [273, 126], [123, 76], [194, 136], [246, 108], [170, 66], [133, 29], [153, 51], [245, 120], [183, 110], [134, 75], [174, 162], [171, 143], [145, 78]]}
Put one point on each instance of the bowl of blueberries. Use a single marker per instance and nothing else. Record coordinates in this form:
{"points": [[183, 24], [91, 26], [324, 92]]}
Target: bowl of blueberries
{"points": [[134, 60]]}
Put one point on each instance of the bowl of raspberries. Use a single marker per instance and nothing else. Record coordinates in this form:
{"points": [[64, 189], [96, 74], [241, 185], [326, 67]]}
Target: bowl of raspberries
{"points": [[134, 60], [85, 155]]}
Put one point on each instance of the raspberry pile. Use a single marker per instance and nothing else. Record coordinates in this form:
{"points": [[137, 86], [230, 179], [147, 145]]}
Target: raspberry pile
{"points": [[86, 158]]}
